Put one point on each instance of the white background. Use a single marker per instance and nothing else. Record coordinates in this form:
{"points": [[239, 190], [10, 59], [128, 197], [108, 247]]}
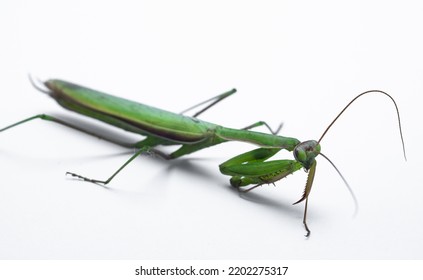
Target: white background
{"points": [[297, 62]]}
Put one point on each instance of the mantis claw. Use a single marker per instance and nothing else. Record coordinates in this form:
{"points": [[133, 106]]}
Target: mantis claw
{"points": [[307, 235], [98, 182]]}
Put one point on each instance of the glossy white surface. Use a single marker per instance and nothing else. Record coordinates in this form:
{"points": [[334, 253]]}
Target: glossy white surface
{"points": [[297, 63]]}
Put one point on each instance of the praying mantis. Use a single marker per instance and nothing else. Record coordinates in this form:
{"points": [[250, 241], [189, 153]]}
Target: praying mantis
{"points": [[160, 127]]}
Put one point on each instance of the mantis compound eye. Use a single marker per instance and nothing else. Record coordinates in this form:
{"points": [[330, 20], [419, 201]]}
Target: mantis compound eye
{"points": [[300, 155], [306, 151]]}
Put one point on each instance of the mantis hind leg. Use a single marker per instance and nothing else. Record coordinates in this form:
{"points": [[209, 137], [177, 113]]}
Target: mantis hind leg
{"points": [[105, 182], [216, 99], [73, 126], [146, 146], [213, 101], [149, 141], [262, 123]]}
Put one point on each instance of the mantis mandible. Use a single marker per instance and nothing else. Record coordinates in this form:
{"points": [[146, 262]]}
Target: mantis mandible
{"points": [[166, 128]]}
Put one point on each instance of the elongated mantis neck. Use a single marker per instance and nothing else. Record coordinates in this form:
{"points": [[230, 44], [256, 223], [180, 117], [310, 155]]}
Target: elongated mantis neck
{"points": [[257, 138]]}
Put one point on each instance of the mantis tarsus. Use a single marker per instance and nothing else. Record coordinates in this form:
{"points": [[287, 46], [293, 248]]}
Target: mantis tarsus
{"points": [[165, 128]]}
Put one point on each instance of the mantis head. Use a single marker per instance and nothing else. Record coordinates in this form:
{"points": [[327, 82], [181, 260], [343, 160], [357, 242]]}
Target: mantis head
{"points": [[306, 152]]}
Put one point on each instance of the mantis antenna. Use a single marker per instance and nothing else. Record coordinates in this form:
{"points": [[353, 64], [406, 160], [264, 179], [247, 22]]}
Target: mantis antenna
{"points": [[336, 118], [360, 95]]}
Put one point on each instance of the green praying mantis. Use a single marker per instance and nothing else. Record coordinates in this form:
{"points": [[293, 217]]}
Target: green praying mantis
{"points": [[161, 127]]}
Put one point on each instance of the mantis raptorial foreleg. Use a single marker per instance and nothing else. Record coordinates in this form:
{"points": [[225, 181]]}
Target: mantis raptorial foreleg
{"points": [[251, 168], [307, 189]]}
